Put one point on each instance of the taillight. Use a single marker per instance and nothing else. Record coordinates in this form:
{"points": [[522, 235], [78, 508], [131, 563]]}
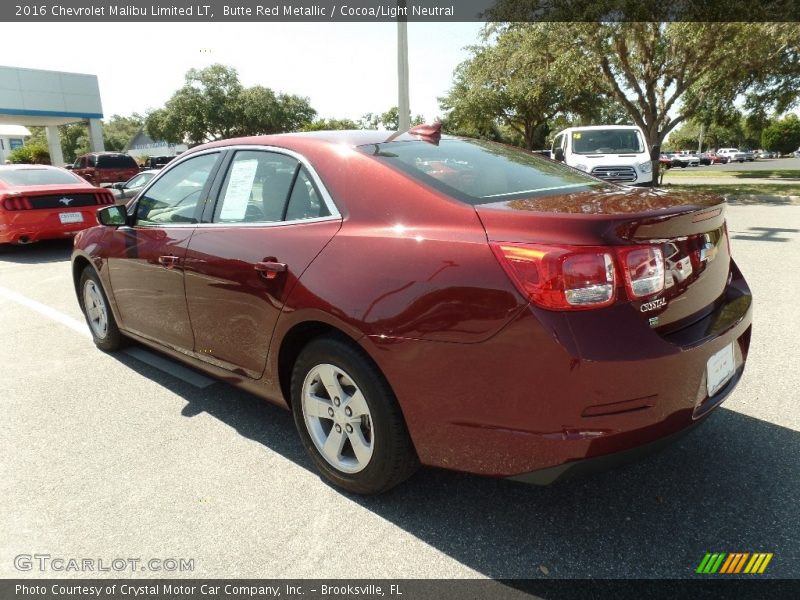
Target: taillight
{"points": [[17, 203], [105, 198], [643, 268], [560, 277], [581, 277]]}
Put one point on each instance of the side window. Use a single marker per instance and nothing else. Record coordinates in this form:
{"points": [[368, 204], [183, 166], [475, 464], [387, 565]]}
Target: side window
{"points": [[92, 160], [174, 197], [305, 201], [557, 141], [256, 187]]}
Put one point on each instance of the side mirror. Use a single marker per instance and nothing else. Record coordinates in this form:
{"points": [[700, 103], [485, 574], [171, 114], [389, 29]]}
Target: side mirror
{"points": [[113, 216], [68, 167], [655, 152], [120, 185], [558, 154]]}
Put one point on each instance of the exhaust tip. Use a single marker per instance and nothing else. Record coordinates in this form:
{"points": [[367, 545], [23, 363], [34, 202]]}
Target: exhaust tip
{"points": [[23, 239]]}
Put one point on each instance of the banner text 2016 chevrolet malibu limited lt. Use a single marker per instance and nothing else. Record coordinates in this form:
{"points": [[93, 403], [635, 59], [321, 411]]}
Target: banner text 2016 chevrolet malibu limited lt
{"points": [[426, 299]]}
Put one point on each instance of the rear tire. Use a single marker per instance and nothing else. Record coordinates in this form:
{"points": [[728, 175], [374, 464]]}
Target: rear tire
{"points": [[348, 418], [96, 309]]}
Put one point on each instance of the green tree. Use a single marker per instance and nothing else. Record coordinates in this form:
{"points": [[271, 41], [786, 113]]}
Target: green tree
{"points": [[664, 74], [782, 135], [213, 104], [118, 131], [518, 79], [30, 154], [330, 124], [388, 120]]}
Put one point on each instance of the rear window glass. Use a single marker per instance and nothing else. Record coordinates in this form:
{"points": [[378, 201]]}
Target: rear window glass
{"points": [[116, 161], [38, 177], [479, 172]]}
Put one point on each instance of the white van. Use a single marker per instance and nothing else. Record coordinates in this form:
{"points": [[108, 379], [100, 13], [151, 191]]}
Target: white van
{"points": [[615, 153]]}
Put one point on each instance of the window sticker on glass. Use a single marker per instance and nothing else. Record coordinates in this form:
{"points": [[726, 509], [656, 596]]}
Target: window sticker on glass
{"points": [[240, 187], [576, 136]]}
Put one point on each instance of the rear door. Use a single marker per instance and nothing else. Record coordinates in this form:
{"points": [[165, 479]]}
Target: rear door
{"points": [[147, 266], [271, 219]]}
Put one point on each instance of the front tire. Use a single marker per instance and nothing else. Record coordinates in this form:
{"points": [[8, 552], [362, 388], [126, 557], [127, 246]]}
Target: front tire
{"points": [[95, 307], [348, 418]]}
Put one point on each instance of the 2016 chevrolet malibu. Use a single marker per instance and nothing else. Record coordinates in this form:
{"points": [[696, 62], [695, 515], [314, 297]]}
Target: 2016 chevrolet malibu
{"points": [[425, 299]]}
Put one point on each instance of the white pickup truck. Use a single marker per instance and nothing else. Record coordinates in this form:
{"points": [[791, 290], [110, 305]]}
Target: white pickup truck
{"points": [[733, 154]]}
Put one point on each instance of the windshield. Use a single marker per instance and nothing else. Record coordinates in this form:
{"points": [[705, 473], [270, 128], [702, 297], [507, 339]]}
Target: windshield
{"points": [[38, 177], [479, 172], [607, 141]]}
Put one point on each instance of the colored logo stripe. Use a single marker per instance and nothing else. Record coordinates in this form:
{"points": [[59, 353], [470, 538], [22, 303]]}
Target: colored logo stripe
{"points": [[734, 562]]}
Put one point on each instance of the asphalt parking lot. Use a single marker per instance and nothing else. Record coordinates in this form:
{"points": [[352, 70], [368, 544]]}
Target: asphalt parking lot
{"points": [[107, 456]]}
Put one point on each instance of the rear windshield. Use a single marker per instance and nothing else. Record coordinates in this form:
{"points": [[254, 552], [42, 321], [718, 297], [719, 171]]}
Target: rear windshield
{"points": [[607, 141], [38, 177], [479, 172], [116, 161]]}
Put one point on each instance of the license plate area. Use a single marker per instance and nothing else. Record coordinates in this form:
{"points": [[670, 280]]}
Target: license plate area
{"points": [[70, 217], [719, 369]]}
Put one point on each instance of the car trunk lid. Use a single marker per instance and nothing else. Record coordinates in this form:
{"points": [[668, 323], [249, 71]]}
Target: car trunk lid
{"points": [[688, 227]]}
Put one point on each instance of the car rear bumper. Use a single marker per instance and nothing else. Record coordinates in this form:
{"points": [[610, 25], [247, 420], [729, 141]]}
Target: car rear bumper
{"points": [[540, 395], [34, 225], [620, 458]]}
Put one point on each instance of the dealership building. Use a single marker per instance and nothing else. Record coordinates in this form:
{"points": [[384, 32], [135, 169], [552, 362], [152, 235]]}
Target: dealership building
{"points": [[33, 97]]}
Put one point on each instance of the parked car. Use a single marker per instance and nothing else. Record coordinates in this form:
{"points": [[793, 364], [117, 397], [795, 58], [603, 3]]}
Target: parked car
{"points": [[428, 299], [676, 160], [690, 158], [125, 191], [715, 159], [665, 161], [732, 154], [749, 155], [105, 167], [615, 153], [39, 202], [156, 162]]}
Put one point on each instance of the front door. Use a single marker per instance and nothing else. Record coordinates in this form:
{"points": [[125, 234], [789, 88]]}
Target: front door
{"points": [[147, 270]]}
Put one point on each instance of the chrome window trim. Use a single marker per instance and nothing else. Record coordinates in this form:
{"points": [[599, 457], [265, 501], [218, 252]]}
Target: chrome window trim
{"points": [[172, 164], [326, 197]]}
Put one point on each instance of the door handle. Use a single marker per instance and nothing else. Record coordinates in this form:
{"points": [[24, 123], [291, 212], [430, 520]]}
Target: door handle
{"points": [[269, 269], [168, 261]]}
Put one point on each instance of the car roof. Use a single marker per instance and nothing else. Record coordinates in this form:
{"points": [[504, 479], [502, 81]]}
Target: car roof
{"points": [[19, 166], [347, 137]]}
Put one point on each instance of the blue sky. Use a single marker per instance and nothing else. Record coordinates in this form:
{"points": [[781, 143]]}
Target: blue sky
{"points": [[346, 69]]}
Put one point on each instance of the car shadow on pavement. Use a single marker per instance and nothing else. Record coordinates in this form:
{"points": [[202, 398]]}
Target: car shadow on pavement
{"points": [[764, 234], [731, 485], [47, 251]]}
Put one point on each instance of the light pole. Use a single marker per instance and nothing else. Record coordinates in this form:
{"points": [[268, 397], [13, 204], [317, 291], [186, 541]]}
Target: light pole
{"points": [[403, 101]]}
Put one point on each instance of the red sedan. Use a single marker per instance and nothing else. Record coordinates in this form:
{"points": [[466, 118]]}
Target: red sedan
{"points": [[39, 202], [424, 299]]}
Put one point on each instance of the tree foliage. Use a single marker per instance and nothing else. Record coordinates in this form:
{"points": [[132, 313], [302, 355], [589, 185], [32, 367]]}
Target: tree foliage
{"points": [[213, 104], [30, 154], [389, 120], [519, 80], [666, 73], [330, 124], [782, 135]]}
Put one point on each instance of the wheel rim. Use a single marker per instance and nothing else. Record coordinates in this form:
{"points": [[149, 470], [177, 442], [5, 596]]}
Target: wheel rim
{"points": [[337, 418], [96, 311]]}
